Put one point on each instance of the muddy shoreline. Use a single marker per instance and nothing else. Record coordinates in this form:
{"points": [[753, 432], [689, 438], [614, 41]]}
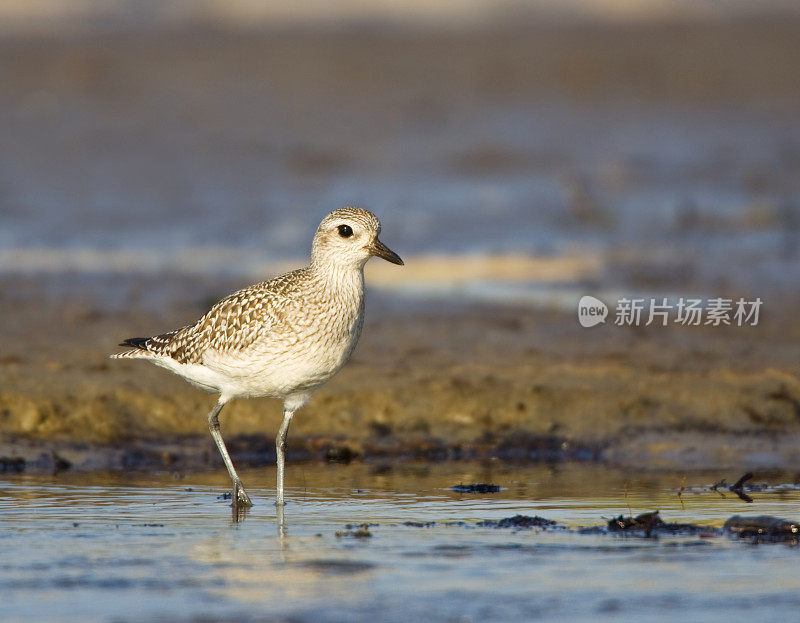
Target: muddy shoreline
{"points": [[437, 382], [196, 454]]}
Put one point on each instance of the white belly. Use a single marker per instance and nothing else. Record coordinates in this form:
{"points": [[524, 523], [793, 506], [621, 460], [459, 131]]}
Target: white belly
{"points": [[252, 374], [271, 368]]}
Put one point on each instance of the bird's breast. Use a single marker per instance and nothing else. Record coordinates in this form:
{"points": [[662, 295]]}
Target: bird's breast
{"points": [[312, 349]]}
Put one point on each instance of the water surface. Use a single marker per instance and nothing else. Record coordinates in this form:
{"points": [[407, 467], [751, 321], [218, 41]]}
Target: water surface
{"points": [[97, 547]]}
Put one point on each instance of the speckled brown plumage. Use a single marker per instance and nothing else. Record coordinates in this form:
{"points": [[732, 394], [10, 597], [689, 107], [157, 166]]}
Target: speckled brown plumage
{"points": [[282, 336], [233, 324]]}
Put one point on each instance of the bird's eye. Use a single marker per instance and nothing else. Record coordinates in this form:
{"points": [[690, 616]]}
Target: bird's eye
{"points": [[345, 231]]}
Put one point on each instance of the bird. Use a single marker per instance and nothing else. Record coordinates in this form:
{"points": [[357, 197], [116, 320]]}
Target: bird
{"points": [[282, 338]]}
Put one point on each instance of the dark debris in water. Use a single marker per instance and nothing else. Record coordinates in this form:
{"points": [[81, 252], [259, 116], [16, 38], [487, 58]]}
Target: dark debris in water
{"points": [[476, 488], [338, 567], [738, 487], [645, 521], [763, 528], [741, 488], [518, 521], [360, 531], [650, 525], [12, 464]]}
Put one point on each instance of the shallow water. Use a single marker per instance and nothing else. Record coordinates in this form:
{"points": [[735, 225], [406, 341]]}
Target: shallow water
{"points": [[90, 547]]}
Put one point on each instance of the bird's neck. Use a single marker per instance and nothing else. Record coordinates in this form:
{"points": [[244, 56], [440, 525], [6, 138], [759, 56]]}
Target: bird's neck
{"points": [[339, 279]]}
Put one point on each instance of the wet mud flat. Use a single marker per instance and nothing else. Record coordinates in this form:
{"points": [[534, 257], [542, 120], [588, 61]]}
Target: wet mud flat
{"points": [[442, 381], [381, 545]]}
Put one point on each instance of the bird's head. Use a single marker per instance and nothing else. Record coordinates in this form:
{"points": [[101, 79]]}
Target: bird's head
{"points": [[348, 237]]}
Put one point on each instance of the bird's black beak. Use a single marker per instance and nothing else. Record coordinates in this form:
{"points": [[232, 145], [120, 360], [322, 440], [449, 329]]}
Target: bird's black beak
{"points": [[378, 249]]}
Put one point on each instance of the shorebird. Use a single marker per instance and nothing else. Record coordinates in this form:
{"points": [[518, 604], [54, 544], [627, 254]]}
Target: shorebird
{"points": [[282, 338]]}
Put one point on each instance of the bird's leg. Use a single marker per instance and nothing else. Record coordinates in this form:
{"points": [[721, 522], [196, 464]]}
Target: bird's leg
{"points": [[281, 521], [280, 447], [239, 495]]}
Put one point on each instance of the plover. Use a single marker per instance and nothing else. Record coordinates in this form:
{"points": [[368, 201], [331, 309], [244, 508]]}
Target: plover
{"points": [[282, 338]]}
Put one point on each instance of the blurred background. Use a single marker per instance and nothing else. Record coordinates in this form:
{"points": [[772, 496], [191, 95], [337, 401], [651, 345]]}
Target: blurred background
{"points": [[156, 155], [631, 145]]}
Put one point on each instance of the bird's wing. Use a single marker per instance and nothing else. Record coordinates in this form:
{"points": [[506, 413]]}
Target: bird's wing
{"points": [[234, 323]]}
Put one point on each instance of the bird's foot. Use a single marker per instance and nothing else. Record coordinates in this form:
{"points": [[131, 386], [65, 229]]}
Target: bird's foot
{"points": [[239, 496]]}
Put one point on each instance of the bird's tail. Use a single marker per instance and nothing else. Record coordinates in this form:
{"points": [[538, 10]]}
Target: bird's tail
{"points": [[139, 349]]}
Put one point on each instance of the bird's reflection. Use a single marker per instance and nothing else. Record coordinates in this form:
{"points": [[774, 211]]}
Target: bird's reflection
{"points": [[239, 512], [281, 520]]}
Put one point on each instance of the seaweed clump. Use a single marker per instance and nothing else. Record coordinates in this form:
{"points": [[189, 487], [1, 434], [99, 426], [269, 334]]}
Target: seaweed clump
{"points": [[763, 529], [651, 525]]}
